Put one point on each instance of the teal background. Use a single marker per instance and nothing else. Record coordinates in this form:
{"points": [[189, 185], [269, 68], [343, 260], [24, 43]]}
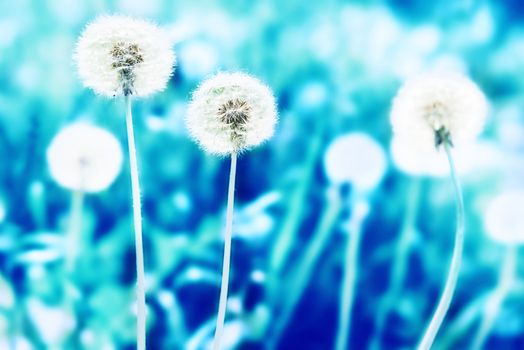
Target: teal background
{"points": [[335, 67]]}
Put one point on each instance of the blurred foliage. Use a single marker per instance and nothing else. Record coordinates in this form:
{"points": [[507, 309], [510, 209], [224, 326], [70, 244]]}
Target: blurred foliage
{"points": [[335, 66]]}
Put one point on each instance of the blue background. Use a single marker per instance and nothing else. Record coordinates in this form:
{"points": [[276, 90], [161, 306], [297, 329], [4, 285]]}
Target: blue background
{"points": [[335, 67]]}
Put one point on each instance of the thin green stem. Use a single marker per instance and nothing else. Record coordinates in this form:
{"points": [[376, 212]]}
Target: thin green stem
{"points": [[137, 220], [399, 263], [347, 294], [14, 316], [492, 307], [479, 308], [451, 282], [227, 254], [305, 267], [75, 242], [462, 323], [74, 237], [286, 236]]}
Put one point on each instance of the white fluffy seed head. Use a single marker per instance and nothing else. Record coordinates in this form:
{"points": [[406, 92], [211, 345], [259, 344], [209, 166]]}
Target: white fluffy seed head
{"points": [[118, 55], [503, 219], [231, 112], [418, 161], [83, 157], [357, 159], [433, 108]]}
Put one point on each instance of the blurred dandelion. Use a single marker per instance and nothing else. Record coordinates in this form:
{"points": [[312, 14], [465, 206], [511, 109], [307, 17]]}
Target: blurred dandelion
{"points": [[504, 224], [228, 114], [440, 111], [123, 56], [437, 109], [353, 159], [503, 221], [84, 159], [415, 161], [358, 160], [420, 163]]}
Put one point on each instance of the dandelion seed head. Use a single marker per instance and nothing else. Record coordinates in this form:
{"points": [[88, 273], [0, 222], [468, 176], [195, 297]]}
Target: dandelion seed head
{"points": [[118, 55], [82, 157], [503, 219], [231, 112], [435, 108], [416, 161], [357, 159]]}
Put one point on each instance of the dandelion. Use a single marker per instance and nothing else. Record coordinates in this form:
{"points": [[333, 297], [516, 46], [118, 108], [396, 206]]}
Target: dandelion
{"points": [[504, 222], [434, 110], [230, 113], [84, 158], [358, 160], [122, 56], [420, 162], [353, 159], [416, 161], [438, 112]]}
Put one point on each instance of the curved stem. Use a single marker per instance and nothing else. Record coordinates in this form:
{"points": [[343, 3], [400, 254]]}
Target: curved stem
{"points": [[451, 282], [492, 307], [227, 254], [347, 293], [305, 267], [137, 220]]}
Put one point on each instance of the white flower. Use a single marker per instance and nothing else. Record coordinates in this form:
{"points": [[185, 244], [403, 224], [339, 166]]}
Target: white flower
{"points": [[475, 157], [231, 112], [503, 219], [84, 158], [418, 161], [357, 159], [119, 55], [436, 108], [53, 324]]}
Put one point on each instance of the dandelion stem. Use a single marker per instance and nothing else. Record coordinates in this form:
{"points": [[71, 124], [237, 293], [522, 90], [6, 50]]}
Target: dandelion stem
{"points": [[75, 230], [492, 306], [137, 220], [227, 254], [14, 315], [74, 242], [451, 282], [347, 294]]}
